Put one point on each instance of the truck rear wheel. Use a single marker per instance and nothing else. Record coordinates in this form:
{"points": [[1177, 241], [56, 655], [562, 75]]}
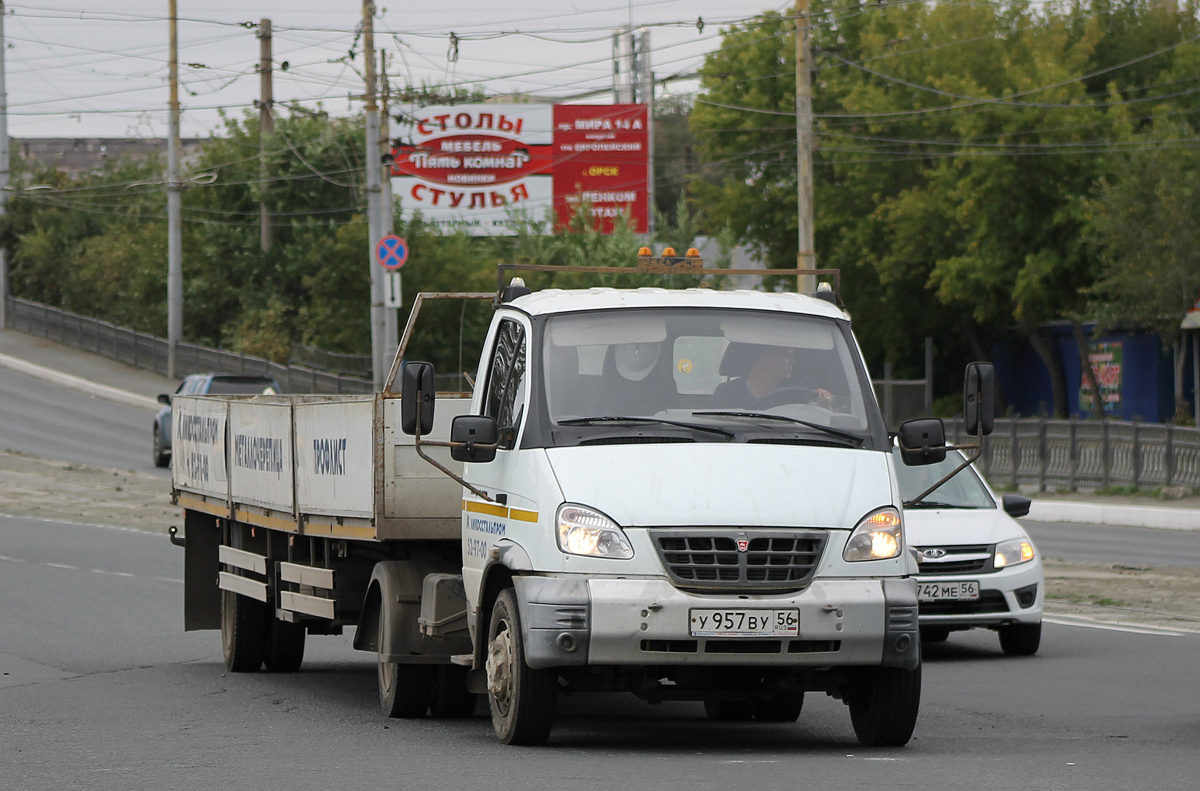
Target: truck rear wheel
{"points": [[883, 705], [451, 699], [522, 699], [285, 646], [784, 707], [729, 710], [243, 632]]}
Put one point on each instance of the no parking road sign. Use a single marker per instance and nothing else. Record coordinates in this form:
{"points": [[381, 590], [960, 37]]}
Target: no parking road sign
{"points": [[391, 252]]}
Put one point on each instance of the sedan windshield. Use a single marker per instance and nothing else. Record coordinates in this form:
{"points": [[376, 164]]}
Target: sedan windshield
{"points": [[964, 490], [742, 370]]}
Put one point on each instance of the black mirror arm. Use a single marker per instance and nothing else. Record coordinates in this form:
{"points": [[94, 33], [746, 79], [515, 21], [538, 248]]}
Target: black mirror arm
{"points": [[418, 443], [977, 447]]}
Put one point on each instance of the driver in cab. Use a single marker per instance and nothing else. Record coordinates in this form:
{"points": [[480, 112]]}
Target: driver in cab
{"points": [[769, 370]]}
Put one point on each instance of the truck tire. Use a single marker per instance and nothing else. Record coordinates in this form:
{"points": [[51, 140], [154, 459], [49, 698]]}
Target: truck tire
{"points": [[522, 699], [1021, 639], [285, 646], [451, 699], [784, 707], [161, 457], [729, 710], [243, 632], [884, 702]]}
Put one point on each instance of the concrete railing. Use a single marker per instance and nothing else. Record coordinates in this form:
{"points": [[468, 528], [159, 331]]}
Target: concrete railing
{"points": [[1088, 454]]}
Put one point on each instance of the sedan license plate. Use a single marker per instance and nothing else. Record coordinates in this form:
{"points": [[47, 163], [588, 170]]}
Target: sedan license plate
{"points": [[745, 623], [943, 591]]}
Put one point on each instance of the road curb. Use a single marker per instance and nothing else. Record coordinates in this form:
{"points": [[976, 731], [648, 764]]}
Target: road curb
{"points": [[77, 383], [1123, 515]]}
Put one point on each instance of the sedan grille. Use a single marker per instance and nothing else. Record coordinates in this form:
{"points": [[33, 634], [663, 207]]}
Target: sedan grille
{"points": [[711, 558], [955, 559]]}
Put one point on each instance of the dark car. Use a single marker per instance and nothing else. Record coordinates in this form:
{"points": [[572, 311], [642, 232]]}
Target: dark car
{"points": [[204, 384]]}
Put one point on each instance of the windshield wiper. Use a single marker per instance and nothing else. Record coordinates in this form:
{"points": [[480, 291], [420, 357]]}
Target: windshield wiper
{"points": [[589, 421], [936, 504], [766, 416]]}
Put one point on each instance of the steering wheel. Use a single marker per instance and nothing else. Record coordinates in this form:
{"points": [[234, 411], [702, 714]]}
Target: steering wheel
{"points": [[795, 394]]}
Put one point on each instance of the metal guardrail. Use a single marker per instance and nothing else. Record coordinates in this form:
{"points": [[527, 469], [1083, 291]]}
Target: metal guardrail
{"points": [[149, 352], [305, 356], [1088, 454]]}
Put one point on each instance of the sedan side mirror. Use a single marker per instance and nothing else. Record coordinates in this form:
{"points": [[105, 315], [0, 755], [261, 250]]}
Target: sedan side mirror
{"points": [[1016, 505], [979, 398], [922, 441], [164, 398], [417, 396], [473, 431]]}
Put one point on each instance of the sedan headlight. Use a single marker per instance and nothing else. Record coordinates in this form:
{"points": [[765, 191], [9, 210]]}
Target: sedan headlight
{"points": [[877, 536], [1010, 553], [582, 531]]}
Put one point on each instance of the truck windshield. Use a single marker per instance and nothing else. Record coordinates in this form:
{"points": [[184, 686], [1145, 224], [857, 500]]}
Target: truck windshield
{"points": [[702, 365], [964, 490]]}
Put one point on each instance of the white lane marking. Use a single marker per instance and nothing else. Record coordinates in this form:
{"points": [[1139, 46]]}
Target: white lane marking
{"points": [[6, 559], [81, 524], [1113, 627]]}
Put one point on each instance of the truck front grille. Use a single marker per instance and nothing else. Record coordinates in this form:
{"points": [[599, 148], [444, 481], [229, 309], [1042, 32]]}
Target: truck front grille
{"points": [[766, 559]]}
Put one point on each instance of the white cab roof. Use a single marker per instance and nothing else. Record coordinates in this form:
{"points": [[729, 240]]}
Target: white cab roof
{"points": [[557, 300]]}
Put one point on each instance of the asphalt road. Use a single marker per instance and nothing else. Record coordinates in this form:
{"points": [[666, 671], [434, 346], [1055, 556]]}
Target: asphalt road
{"points": [[101, 689], [1135, 546], [66, 425]]}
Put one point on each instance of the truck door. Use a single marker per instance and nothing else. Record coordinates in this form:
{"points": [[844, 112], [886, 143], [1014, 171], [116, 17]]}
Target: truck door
{"points": [[505, 396]]}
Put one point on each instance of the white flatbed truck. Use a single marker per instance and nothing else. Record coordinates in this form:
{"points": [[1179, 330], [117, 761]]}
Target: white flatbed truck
{"points": [[626, 502]]}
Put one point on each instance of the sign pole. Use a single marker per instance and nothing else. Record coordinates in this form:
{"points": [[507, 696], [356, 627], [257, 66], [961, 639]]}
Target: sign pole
{"points": [[806, 258], [3, 174], [371, 113], [174, 211], [391, 319]]}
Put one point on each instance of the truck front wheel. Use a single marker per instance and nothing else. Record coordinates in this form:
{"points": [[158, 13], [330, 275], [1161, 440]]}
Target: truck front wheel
{"points": [[522, 699], [243, 632], [883, 705]]}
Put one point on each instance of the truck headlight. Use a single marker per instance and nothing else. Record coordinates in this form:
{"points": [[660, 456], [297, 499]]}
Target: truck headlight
{"points": [[1010, 553], [877, 536], [583, 531]]}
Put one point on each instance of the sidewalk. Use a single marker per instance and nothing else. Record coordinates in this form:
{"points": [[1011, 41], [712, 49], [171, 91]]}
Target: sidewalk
{"points": [[91, 373]]}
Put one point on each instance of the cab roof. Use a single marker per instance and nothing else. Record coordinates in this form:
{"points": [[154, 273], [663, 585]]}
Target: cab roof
{"points": [[557, 300]]}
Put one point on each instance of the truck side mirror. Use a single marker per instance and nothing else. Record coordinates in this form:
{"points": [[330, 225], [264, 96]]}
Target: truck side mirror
{"points": [[164, 398], [922, 441], [979, 398], [473, 431], [417, 395]]}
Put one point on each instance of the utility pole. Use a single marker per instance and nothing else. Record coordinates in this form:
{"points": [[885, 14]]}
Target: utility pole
{"points": [[624, 81], [386, 226], [3, 173], [647, 97], [174, 230], [374, 196], [266, 125], [806, 257]]}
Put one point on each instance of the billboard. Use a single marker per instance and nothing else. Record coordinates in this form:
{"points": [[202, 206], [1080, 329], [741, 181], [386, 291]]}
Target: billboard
{"points": [[469, 167]]}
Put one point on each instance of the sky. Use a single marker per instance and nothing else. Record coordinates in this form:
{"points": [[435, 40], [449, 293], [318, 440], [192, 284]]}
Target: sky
{"points": [[99, 69]]}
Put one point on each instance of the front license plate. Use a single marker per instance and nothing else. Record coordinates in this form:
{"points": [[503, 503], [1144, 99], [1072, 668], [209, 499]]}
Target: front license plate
{"points": [[745, 623], [953, 591]]}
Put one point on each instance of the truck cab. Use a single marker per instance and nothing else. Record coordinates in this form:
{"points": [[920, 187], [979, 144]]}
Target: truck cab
{"points": [[690, 497]]}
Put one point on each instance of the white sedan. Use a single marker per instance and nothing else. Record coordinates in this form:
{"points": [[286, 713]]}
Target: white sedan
{"points": [[978, 567]]}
